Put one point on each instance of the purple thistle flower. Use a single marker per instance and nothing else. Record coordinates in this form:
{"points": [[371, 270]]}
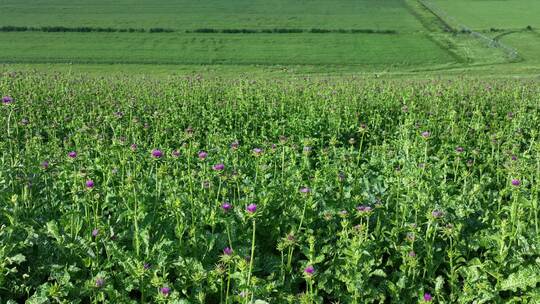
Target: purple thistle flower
{"points": [[165, 291], [218, 167], [309, 270], [175, 153], [436, 213], [427, 297], [307, 149], [72, 154], [257, 151], [100, 282], [412, 254], [251, 208], [235, 144], [7, 100], [133, 147], [283, 139], [202, 155], [227, 251], [95, 232], [226, 207], [516, 182], [305, 190], [514, 158], [45, 164], [364, 208], [459, 149], [426, 134], [157, 153], [90, 184], [146, 266]]}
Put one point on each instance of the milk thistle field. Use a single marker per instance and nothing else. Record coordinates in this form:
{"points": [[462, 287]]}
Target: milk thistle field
{"points": [[186, 190]]}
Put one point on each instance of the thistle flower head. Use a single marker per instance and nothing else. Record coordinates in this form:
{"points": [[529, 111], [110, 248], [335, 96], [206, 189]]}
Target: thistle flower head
{"points": [[226, 206], [427, 297], [156, 153], [437, 213], [89, 184], [309, 270], [364, 208], [218, 167], [7, 100], [72, 154], [227, 251], [95, 232], [100, 282], [251, 208], [202, 155], [165, 290], [516, 182], [305, 190]]}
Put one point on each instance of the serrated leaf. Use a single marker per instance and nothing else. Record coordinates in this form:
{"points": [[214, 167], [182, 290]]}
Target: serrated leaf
{"points": [[522, 279]]}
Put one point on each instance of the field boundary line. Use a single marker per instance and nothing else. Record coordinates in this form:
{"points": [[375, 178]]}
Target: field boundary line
{"points": [[456, 26]]}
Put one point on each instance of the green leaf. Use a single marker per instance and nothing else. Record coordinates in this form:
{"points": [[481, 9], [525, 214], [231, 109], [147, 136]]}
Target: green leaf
{"points": [[378, 273], [522, 279], [18, 259]]}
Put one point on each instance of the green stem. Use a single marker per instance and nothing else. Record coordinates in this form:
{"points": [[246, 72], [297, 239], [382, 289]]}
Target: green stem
{"points": [[251, 258]]}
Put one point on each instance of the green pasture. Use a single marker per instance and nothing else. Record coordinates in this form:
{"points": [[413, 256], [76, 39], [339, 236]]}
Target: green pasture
{"points": [[420, 43], [364, 50], [487, 14], [188, 15]]}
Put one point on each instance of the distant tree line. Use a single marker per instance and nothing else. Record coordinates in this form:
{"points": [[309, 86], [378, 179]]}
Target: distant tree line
{"points": [[82, 29], [88, 29], [291, 30]]}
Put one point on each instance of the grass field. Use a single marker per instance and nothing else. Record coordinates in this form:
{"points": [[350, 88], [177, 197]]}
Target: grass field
{"points": [[486, 14], [419, 42], [364, 50], [188, 15]]}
